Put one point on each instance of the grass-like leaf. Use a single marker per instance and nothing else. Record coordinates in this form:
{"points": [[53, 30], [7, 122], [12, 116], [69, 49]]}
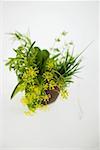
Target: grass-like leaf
{"points": [[18, 88]]}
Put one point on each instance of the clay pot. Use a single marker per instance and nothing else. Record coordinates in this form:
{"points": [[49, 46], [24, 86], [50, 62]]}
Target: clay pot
{"points": [[54, 94]]}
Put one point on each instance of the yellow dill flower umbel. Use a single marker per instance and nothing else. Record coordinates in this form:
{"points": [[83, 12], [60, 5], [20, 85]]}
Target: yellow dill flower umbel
{"points": [[50, 64], [30, 73], [37, 90], [33, 72], [48, 75], [32, 96], [52, 85], [24, 101], [45, 86], [64, 93], [46, 97]]}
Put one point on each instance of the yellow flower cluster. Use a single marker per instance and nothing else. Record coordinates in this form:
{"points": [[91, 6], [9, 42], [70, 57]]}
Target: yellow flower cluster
{"points": [[46, 97], [35, 94], [48, 76], [24, 101], [52, 84], [37, 89], [64, 93], [32, 96], [46, 86], [30, 73], [50, 64]]}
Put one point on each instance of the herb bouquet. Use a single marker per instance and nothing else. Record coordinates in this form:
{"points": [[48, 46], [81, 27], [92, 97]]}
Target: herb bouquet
{"points": [[42, 74]]}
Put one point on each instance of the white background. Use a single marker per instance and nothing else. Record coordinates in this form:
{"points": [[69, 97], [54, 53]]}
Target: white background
{"points": [[72, 123]]}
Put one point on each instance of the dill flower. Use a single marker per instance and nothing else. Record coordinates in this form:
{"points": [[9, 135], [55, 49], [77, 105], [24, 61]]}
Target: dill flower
{"points": [[46, 97], [30, 73], [37, 90], [46, 86], [50, 64], [24, 101], [52, 84], [48, 76], [64, 93], [32, 96]]}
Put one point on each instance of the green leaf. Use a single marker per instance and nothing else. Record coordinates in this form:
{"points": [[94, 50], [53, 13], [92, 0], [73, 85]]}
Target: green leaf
{"points": [[45, 54], [41, 59], [56, 49], [55, 56], [38, 56], [18, 88], [30, 48], [42, 56]]}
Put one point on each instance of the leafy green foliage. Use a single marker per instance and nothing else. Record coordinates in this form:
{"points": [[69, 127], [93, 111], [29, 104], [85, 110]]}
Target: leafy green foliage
{"points": [[38, 71]]}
